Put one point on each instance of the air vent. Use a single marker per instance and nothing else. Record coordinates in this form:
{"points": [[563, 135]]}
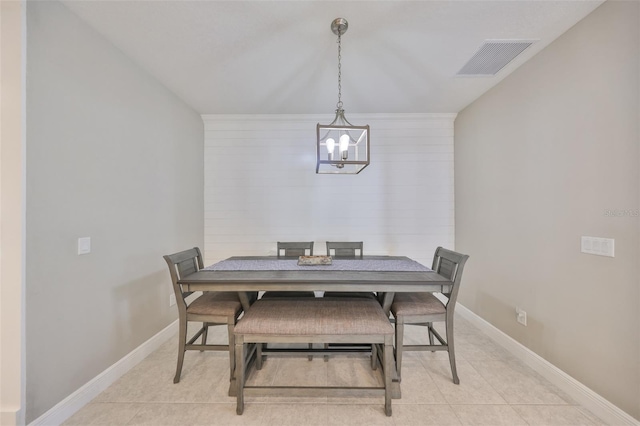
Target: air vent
{"points": [[492, 56]]}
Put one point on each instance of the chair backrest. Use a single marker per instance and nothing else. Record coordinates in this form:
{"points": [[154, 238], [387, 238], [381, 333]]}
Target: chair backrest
{"points": [[295, 249], [345, 249], [450, 264], [180, 265]]}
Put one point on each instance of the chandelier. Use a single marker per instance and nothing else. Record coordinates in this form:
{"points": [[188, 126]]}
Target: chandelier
{"points": [[341, 147]]}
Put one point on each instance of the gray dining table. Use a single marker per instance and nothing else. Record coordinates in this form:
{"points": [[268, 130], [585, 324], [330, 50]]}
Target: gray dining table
{"points": [[382, 274], [385, 275]]}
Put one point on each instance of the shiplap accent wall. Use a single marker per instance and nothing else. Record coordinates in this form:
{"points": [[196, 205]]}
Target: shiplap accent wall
{"points": [[261, 186]]}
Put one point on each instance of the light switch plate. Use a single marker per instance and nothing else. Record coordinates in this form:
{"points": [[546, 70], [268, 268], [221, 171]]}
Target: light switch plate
{"points": [[521, 316], [598, 246], [84, 245]]}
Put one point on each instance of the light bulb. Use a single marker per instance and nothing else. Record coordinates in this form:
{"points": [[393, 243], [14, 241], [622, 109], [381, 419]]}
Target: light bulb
{"points": [[344, 142], [331, 144], [344, 146]]}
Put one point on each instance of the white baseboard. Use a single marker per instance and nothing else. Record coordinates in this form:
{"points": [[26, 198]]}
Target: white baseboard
{"points": [[74, 402], [589, 399], [9, 415]]}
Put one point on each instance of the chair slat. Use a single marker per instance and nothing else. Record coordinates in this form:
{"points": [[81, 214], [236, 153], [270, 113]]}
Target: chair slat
{"points": [[186, 267], [295, 249], [345, 249], [447, 269]]}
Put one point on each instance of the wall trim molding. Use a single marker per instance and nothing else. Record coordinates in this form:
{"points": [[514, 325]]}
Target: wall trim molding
{"points": [[78, 399], [586, 397], [316, 117]]}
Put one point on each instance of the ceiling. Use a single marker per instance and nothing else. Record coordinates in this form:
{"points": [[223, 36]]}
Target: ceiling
{"points": [[280, 57]]}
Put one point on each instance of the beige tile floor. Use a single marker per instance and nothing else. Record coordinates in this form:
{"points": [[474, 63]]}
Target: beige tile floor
{"points": [[495, 389]]}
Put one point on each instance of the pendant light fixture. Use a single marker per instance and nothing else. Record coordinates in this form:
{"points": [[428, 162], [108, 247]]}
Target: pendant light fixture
{"points": [[342, 148]]}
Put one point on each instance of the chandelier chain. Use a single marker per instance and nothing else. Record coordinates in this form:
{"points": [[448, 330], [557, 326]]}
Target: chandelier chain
{"points": [[339, 104]]}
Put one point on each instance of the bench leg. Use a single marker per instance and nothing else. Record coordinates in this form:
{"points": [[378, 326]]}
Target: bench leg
{"points": [[239, 375]]}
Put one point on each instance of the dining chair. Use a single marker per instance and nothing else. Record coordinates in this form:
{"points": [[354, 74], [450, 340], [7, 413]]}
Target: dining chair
{"points": [[424, 309], [346, 250], [292, 250], [211, 308]]}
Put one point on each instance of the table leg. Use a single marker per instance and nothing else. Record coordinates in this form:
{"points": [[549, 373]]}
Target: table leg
{"points": [[387, 301], [244, 300]]}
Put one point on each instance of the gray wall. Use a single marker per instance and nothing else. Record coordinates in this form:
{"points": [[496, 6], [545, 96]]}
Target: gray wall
{"points": [[539, 162], [111, 155]]}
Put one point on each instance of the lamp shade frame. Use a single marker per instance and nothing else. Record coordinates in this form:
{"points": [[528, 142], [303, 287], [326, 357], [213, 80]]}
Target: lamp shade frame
{"points": [[336, 165]]}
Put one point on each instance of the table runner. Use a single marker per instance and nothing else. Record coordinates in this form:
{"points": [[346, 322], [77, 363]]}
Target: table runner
{"points": [[374, 265]]}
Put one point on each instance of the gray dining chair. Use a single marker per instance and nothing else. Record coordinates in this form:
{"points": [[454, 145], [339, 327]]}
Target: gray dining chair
{"points": [[346, 250], [424, 309], [211, 308], [292, 250]]}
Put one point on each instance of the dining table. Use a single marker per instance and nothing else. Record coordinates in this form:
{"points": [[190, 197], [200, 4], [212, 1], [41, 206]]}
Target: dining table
{"points": [[385, 275]]}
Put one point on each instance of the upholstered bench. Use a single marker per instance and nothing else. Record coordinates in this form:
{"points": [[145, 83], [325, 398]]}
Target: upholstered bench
{"points": [[318, 320]]}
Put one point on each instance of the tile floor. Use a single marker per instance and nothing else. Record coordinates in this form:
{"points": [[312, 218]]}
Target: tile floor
{"points": [[495, 389]]}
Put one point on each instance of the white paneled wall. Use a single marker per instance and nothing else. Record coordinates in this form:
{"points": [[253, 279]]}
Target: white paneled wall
{"points": [[261, 186]]}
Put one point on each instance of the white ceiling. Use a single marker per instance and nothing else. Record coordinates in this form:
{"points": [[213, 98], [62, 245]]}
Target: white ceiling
{"points": [[268, 57]]}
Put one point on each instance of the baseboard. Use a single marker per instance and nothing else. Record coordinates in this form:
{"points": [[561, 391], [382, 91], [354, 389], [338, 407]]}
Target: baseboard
{"points": [[9, 416], [586, 397], [74, 402]]}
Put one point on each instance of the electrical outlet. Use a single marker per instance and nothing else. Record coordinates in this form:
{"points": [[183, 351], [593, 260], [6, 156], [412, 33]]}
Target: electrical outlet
{"points": [[521, 316], [172, 300]]}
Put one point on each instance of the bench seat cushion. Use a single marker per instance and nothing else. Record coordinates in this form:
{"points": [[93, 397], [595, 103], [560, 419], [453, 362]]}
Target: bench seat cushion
{"points": [[318, 316]]}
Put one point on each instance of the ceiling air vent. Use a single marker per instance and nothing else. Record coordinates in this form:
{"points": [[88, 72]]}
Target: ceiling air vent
{"points": [[492, 56]]}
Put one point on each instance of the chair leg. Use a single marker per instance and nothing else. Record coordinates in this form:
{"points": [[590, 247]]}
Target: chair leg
{"points": [[399, 339], [205, 331], [182, 341], [232, 351], [259, 356], [451, 350], [374, 356], [430, 332], [388, 367], [239, 376]]}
